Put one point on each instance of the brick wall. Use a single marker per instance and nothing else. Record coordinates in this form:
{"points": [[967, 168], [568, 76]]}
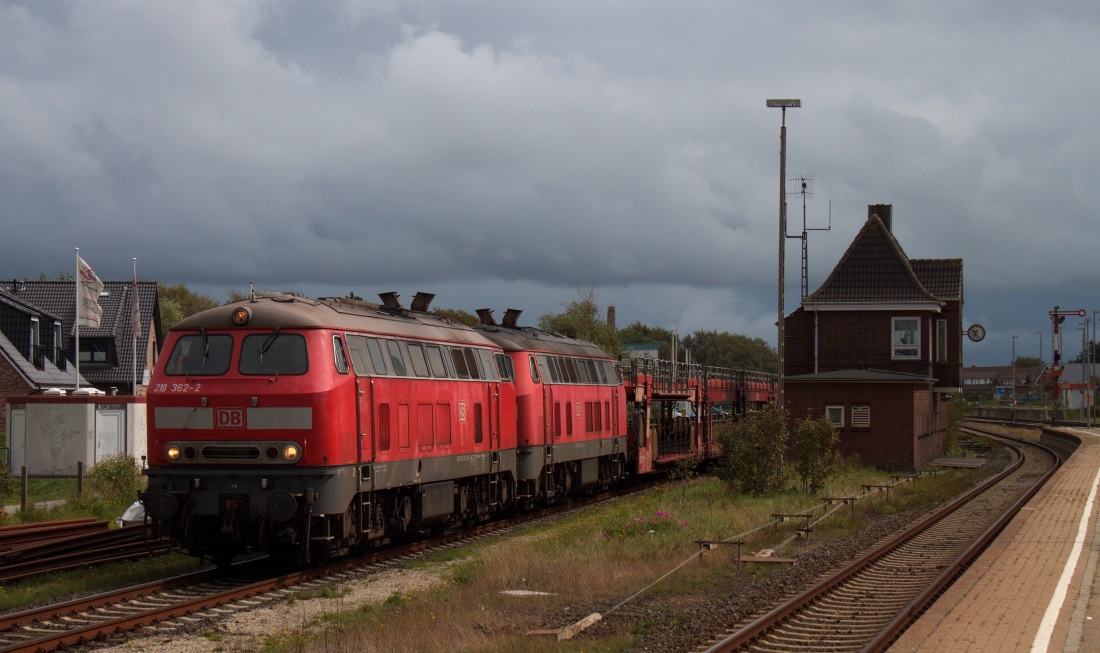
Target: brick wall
{"points": [[849, 340], [11, 385], [891, 442]]}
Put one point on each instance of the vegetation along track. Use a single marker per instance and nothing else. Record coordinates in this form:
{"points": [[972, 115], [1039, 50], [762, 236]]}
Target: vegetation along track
{"points": [[185, 600], [866, 605]]}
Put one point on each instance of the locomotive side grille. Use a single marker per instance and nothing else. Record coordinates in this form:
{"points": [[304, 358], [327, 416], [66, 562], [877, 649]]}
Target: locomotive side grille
{"points": [[231, 452]]}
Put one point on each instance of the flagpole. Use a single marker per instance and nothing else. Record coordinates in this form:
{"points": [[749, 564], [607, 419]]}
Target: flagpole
{"points": [[133, 299], [76, 317]]}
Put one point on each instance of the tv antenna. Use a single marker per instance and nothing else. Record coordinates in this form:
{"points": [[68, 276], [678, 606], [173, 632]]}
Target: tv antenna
{"points": [[804, 186]]}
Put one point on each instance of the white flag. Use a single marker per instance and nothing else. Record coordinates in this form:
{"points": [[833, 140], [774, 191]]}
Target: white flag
{"points": [[88, 287]]}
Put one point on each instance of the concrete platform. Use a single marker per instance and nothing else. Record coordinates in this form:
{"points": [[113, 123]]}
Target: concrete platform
{"points": [[1036, 587]]}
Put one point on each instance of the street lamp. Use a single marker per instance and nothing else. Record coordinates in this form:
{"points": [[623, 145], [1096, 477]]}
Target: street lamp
{"points": [[783, 105]]}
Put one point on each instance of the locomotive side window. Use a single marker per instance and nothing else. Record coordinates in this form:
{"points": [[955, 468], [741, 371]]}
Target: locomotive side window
{"points": [[601, 371], [435, 359], [416, 357], [592, 376], [554, 369], [198, 356], [582, 371], [505, 367], [570, 370], [473, 363], [273, 353], [487, 367], [340, 358], [376, 357], [534, 369], [459, 359], [396, 359]]}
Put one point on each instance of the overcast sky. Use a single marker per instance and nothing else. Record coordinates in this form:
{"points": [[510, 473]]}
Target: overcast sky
{"points": [[504, 153]]}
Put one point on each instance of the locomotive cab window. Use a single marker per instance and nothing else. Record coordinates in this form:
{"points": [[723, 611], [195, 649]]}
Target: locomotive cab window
{"points": [[505, 367], [339, 357], [196, 355], [273, 353]]}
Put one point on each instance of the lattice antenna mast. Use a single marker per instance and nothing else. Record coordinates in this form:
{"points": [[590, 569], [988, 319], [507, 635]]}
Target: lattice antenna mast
{"points": [[804, 187]]}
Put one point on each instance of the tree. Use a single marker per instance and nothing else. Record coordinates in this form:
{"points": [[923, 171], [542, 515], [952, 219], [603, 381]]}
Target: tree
{"points": [[581, 320], [731, 350], [1029, 361], [458, 316], [178, 302], [638, 332], [752, 451], [815, 455]]}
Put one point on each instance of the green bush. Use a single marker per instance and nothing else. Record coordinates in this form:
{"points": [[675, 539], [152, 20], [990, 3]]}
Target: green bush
{"points": [[115, 479], [752, 451], [815, 456]]}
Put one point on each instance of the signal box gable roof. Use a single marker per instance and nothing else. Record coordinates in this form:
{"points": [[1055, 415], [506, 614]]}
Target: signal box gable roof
{"points": [[875, 270]]}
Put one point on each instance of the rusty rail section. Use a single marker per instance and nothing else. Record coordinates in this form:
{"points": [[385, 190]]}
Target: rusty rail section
{"points": [[29, 549]]}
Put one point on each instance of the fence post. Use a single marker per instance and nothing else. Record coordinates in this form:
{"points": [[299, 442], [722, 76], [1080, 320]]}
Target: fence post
{"points": [[80, 478], [23, 490]]}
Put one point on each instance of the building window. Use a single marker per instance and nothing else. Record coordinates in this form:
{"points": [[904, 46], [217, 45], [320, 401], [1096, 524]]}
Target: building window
{"points": [[906, 338], [861, 417], [941, 341], [97, 352], [835, 414]]}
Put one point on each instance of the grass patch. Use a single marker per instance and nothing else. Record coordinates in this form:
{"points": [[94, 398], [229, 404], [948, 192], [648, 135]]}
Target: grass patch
{"points": [[323, 593]]}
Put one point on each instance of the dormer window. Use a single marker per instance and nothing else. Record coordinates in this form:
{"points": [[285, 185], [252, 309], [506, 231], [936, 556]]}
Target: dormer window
{"points": [[906, 338]]}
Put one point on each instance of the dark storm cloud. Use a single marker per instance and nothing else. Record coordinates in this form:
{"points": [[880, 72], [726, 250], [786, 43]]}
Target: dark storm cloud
{"points": [[508, 153]]}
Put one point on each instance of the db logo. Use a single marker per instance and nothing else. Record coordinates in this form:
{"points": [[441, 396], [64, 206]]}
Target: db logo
{"points": [[229, 418]]}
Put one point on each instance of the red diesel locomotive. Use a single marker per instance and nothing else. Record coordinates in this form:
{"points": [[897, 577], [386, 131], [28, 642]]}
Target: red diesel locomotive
{"points": [[310, 427]]}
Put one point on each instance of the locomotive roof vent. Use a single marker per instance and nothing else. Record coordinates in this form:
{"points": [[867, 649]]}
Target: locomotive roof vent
{"points": [[486, 316], [390, 300], [422, 300], [511, 316]]}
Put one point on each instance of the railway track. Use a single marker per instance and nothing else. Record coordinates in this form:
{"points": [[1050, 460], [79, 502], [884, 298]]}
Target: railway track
{"points": [[864, 606], [172, 604]]}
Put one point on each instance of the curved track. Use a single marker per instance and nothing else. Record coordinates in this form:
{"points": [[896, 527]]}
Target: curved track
{"points": [[866, 605]]}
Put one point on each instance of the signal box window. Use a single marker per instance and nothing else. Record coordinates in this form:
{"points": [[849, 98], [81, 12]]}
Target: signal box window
{"points": [[835, 414], [273, 353], [906, 338], [195, 356]]}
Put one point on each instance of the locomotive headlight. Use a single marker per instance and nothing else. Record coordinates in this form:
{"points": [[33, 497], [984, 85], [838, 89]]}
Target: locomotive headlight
{"points": [[241, 316], [172, 452], [291, 452]]}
